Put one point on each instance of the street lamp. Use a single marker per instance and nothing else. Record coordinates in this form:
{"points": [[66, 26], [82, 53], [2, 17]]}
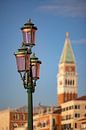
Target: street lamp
{"points": [[28, 66]]}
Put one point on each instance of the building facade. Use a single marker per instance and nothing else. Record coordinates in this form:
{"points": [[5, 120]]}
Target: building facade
{"points": [[72, 113], [49, 119], [45, 118], [82, 123], [12, 118]]}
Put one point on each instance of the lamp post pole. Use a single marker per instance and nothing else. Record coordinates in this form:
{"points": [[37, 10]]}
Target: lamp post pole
{"points": [[28, 66], [30, 110]]}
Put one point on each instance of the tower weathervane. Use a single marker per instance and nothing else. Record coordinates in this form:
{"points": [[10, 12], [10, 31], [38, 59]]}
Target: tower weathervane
{"points": [[67, 34]]}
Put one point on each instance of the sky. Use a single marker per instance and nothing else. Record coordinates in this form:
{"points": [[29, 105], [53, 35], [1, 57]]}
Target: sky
{"points": [[53, 19]]}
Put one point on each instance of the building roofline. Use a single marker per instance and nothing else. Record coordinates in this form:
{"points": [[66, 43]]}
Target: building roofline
{"points": [[81, 98]]}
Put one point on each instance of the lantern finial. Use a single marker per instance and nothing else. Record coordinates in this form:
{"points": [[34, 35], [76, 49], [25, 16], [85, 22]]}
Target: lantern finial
{"points": [[30, 20]]}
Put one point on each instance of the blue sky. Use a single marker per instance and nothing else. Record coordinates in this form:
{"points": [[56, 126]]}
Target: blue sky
{"points": [[53, 19]]}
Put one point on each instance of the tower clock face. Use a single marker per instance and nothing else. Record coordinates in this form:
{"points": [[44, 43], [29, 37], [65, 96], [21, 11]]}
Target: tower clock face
{"points": [[70, 68]]}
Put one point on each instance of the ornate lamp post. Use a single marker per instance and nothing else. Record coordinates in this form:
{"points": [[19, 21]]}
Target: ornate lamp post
{"points": [[28, 65]]}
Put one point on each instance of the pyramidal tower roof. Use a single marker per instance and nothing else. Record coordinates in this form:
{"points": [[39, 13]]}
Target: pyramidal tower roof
{"points": [[67, 54]]}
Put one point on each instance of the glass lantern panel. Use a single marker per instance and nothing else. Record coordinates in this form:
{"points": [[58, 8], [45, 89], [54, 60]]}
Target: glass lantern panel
{"points": [[35, 70], [33, 36], [38, 70], [27, 62], [20, 63], [27, 37]]}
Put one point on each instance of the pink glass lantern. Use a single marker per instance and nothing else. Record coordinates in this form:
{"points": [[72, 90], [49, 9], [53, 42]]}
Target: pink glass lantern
{"points": [[23, 60], [35, 63], [28, 31]]}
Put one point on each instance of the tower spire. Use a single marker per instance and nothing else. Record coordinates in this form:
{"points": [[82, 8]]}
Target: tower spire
{"points": [[67, 54]]}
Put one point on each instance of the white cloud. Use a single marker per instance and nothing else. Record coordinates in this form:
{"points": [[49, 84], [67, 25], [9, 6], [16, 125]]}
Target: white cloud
{"points": [[81, 41], [66, 7]]}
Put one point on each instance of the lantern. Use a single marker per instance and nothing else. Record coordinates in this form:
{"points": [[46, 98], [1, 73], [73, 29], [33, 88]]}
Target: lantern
{"points": [[28, 31], [23, 59], [35, 64]]}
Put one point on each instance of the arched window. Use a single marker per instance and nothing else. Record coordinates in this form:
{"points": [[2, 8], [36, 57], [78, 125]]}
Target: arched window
{"points": [[68, 82], [16, 116], [73, 82], [22, 117], [65, 81]]}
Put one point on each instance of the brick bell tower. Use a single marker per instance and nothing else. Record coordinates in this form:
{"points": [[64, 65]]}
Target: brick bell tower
{"points": [[67, 74]]}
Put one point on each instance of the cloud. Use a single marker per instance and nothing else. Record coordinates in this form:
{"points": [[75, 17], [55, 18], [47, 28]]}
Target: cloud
{"points": [[81, 41], [72, 8]]}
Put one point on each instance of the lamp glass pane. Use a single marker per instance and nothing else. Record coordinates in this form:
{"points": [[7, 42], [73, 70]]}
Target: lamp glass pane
{"points": [[33, 36], [27, 62], [27, 37], [38, 70], [35, 70], [20, 62]]}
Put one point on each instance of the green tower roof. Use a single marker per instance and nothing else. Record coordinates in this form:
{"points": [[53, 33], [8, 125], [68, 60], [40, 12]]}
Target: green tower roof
{"points": [[67, 54]]}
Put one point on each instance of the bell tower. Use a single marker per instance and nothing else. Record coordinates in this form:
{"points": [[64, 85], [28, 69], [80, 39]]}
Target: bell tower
{"points": [[67, 74]]}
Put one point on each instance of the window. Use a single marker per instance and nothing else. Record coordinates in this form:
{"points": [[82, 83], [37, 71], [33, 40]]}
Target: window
{"points": [[65, 81], [69, 116], [66, 117], [63, 109], [22, 117], [75, 125], [73, 82], [72, 107], [70, 82], [66, 108], [16, 117], [43, 124], [85, 115], [69, 107], [77, 115], [77, 106], [53, 122]]}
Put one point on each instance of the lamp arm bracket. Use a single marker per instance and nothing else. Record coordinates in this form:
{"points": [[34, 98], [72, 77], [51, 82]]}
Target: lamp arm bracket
{"points": [[22, 76]]}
